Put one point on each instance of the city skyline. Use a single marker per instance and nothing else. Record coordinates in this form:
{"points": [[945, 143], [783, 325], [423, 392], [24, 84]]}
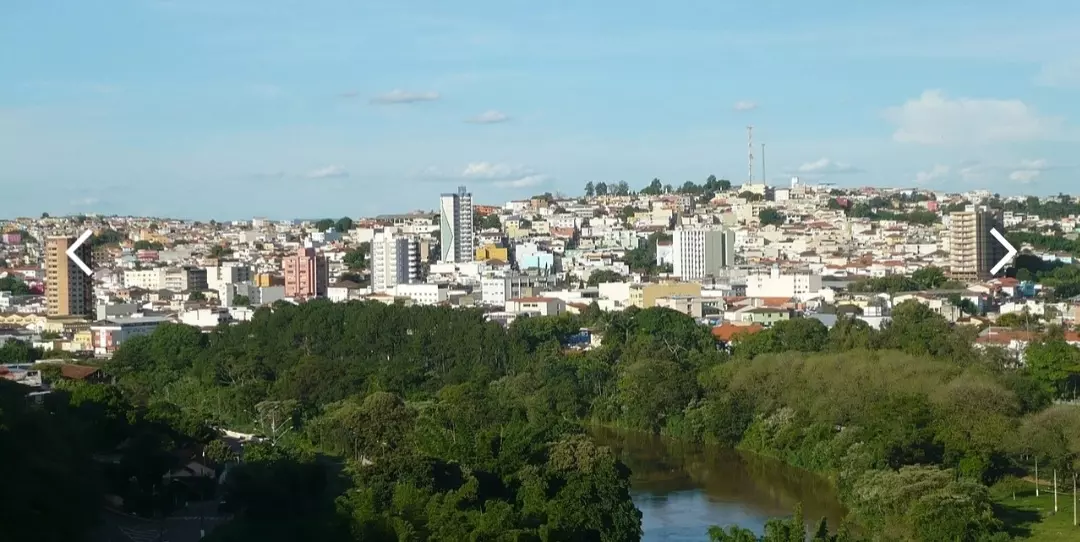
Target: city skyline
{"points": [[195, 109]]}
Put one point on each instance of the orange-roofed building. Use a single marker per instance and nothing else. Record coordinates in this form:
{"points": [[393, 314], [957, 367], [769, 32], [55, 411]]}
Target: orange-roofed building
{"points": [[727, 331]]}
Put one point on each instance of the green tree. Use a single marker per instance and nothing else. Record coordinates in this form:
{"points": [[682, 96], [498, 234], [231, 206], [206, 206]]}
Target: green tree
{"points": [[14, 285], [604, 275], [16, 351], [651, 391], [643, 257], [794, 335], [1053, 363], [918, 330], [107, 237], [771, 217], [56, 478], [489, 222], [655, 188], [966, 306], [929, 277], [343, 224], [850, 333], [324, 224], [220, 251], [356, 259], [590, 189]]}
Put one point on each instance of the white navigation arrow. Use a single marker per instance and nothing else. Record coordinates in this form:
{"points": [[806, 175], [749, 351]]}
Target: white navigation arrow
{"points": [[75, 257], [1008, 256]]}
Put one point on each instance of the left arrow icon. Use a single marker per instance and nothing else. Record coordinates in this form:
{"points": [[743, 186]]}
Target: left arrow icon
{"points": [[75, 257]]}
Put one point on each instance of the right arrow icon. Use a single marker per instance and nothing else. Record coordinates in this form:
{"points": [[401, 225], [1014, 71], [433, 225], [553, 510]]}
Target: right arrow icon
{"points": [[1008, 256]]}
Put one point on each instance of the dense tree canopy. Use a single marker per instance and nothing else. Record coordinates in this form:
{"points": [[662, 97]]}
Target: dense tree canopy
{"points": [[107, 237], [14, 285], [642, 258], [771, 217], [385, 422], [356, 259], [16, 351], [404, 388], [604, 275]]}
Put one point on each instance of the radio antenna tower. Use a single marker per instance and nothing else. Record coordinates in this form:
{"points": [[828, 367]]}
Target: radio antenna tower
{"points": [[750, 154]]}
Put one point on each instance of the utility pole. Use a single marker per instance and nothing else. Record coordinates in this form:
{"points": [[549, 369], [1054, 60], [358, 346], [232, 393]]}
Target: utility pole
{"points": [[1036, 465]]}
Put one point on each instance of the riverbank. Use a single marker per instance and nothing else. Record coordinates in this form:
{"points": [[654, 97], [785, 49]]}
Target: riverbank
{"points": [[677, 481], [682, 488]]}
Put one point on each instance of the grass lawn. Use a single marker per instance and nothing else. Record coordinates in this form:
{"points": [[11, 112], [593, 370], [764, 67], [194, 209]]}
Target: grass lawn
{"points": [[1033, 518]]}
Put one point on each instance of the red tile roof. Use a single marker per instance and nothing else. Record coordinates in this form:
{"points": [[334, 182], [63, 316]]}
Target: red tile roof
{"points": [[775, 302], [77, 372], [727, 331]]}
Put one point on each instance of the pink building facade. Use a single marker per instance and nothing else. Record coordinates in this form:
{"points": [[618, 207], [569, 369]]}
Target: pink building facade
{"points": [[306, 274]]}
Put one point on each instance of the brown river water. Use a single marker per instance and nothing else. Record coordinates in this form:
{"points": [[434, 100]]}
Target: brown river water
{"points": [[682, 489]]}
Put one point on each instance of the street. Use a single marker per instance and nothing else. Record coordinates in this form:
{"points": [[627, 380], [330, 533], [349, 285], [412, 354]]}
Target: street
{"points": [[188, 524]]}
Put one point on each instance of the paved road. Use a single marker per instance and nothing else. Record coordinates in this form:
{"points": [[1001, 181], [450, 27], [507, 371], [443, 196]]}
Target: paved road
{"points": [[186, 525]]}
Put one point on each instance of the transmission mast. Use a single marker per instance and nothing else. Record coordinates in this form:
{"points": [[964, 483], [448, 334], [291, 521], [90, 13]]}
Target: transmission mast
{"points": [[750, 154]]}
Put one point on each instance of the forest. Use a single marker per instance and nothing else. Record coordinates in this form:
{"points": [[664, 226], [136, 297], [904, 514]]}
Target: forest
{"points": [[385, 422]]}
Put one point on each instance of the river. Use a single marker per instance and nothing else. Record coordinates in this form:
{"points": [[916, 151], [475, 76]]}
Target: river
{"points": [[682, 489]]}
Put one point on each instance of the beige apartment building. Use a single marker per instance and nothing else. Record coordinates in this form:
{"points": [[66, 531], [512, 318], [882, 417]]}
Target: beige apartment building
{"points": [[973, 252], [644, 295], [68, 291]]}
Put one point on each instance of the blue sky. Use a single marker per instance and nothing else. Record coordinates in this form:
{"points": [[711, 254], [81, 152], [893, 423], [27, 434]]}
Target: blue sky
{"points": [[235, 108]]}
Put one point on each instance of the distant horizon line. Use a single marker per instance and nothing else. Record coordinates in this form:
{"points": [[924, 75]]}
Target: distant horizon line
{"points": [[435, 211]]}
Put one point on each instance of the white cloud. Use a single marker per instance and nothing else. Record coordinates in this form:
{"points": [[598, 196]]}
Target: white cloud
{"points": [[528, 180], [1063, 74], [489, 117], [327, 172], [824, 166], [488, 170], [745, 105], [1028, 171], [495, 174], [404, 97], [935, 173], [935, 119]]}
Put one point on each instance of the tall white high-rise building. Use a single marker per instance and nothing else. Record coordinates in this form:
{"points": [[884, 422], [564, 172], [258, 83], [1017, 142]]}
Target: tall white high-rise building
{"points": [[395, 259], [457, 243], [697, 253]]}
